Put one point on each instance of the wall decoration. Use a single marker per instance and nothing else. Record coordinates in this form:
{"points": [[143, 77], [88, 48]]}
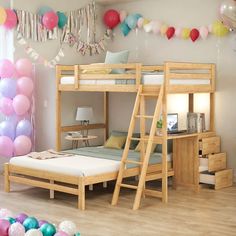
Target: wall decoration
{"points": [[217, 28], [17, 105]]}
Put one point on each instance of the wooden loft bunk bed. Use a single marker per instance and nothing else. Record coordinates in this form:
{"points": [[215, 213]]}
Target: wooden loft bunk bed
{"points": [[187, 78]]}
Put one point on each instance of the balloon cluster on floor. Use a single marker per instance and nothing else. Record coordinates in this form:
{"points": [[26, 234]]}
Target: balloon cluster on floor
{"points": [[24, 225], [50, 19], [129, 22], [16, 104]]}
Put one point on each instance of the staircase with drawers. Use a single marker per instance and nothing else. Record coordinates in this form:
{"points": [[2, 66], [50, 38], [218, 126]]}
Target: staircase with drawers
{"points": [[213, 164]]}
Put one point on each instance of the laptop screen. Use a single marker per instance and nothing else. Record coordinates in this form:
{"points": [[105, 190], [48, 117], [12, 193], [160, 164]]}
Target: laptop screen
{"points": [[172, 122]]}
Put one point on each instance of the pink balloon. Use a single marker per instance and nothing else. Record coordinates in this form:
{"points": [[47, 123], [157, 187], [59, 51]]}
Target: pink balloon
{"points": [[11, 20], [24, 67], [7, 69], [123, 15], [156, 27], [61, 233], [50, 20], [6, 147], [140, 22], [178, 32], [204, 32], [21, 104], [6, 106], [25, 86], [22, 145]]}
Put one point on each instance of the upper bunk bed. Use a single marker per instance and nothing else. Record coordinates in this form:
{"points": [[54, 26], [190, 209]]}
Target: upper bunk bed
{"points": [[178, 77]]}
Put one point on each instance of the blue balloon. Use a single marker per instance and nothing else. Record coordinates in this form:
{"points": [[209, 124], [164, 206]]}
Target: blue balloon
{"points": [[137, 16], [7, 128], [24, 127], [62, 19], [30, 223], [124, 28], [44, 9], [8, 88], [131, 21]]}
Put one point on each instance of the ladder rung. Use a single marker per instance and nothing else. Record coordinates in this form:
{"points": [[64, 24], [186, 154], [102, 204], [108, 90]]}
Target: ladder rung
{"points": [[134, 162], [150, 94], [153, 193], [128, 186], [146, 117], [139, 139], [157, 175]]}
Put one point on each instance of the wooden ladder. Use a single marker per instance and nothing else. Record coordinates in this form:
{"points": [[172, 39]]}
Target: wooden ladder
{"points": [[144, 154]]}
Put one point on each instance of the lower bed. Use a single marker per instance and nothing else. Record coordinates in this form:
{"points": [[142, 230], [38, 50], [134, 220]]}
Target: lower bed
{"points": [[86, 166]]}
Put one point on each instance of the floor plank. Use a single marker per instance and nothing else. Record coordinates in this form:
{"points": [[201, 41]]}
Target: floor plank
{"points": [[209, 212]]}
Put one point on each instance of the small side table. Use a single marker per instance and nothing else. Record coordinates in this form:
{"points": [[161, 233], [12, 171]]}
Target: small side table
{"points": [[75, 140]]}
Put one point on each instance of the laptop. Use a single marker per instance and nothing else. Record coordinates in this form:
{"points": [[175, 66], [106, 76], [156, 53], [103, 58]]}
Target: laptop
{"points": [[172, 124]]}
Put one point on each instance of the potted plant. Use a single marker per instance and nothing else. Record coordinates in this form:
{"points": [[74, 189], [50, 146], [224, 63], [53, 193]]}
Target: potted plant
{"points": [[159, 127]]}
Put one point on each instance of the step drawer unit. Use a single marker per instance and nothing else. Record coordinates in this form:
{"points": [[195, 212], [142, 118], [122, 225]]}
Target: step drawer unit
{"points": [[219, 179], [213, 162], [209, 145]]}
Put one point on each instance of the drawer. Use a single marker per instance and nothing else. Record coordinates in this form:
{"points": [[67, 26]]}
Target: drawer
{"points": [[213, 162], [209, 145], [220, 179]]}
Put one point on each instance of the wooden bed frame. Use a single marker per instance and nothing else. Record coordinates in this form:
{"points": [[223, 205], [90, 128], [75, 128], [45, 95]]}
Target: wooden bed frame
{"points": [[172, 70]]}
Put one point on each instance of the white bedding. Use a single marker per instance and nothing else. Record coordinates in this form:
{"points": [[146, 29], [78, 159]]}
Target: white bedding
{"points": [[147, 79], [72, 165]]}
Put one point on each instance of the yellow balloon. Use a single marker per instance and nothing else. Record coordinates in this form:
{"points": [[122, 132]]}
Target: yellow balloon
{"points": [[3, 15], [146, 21], [185, 33], [219, 29], [164, 28]]}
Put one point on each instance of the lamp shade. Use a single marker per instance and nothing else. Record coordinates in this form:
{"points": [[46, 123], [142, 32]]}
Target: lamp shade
{"points": [[84, 113]]}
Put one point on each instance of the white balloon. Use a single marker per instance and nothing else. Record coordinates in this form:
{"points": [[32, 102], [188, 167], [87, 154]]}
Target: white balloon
{"points": [[68, 227], [148, 27], [204, 32], [16, 229], [156, 27], [34, 232], [5, 213]]}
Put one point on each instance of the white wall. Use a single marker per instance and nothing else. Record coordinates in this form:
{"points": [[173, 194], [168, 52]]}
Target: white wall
{"points": [[151, 49]]}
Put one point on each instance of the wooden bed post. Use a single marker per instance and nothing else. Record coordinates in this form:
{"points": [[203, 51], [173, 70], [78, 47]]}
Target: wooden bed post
{"points": [[6, 178], [191, 102], [212, 98], [81, 194], [106, 115], [58, 109]]}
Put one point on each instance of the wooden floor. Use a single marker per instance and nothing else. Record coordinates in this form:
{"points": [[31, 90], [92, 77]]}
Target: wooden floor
{"points": [[206, 213]]}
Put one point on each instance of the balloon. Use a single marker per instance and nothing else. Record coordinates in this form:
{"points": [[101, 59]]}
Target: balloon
{"points": [[3, 15], [11, 220], [24, 67], [24, 127], [8, 87], [21, 104], [6, 106], [156, 27], [170, 32], [42, 222], [68, 227], [7, 68], [6, 147], [61, 233], [123, 15], [50, 20], [164, 28], [30, 223], [210, 28], [178, 32], [124, 28], [44, 9], [219, 29], [16, 229], [78, 234], [22, 146], [148, 27], [194, 34], [4, 226], [48, 229], [111, 18], [5, 212], [185, 33], [62, 19], [7, 129], [228, 13], [25, 86], [140, 22], [21, 218], [204, 32], [131, 21], [11, 20], [34, 232]]}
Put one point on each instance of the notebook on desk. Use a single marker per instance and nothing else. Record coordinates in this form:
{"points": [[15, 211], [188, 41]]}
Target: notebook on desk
{"points": [[172, 124]]}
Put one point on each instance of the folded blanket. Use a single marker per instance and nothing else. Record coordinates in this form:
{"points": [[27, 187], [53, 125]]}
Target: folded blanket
{"points": [[49, 154]]}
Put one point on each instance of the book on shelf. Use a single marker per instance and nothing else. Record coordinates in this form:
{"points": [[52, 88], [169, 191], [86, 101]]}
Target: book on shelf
{"points": [[196, 122], [75, 134]]}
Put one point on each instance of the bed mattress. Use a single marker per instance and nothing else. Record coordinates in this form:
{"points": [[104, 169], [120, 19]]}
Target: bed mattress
{"points": [[147, 79]]}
